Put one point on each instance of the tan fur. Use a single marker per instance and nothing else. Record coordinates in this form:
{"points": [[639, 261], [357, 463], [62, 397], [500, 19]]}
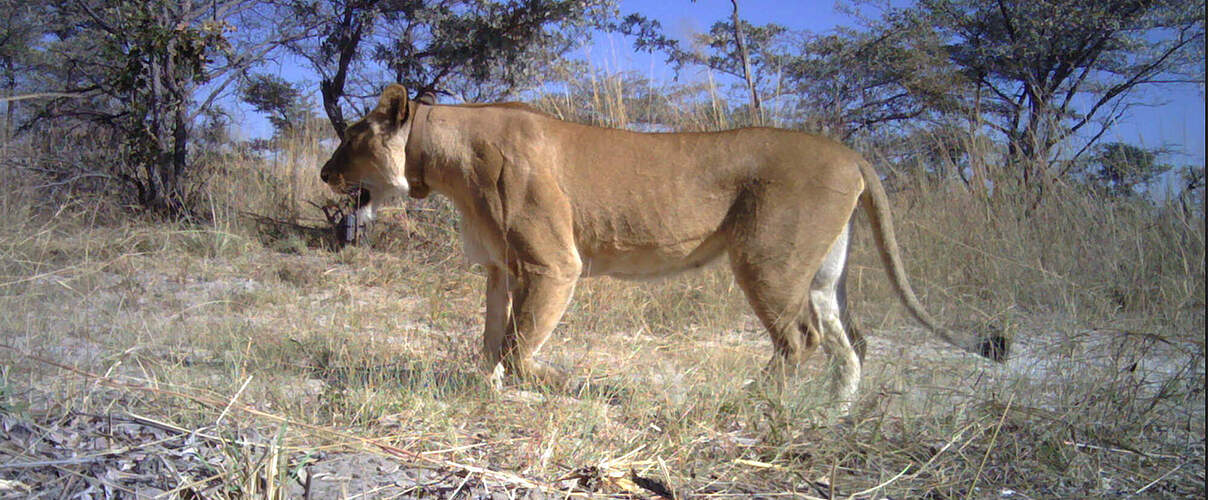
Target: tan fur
{"points": [[545, 202]]}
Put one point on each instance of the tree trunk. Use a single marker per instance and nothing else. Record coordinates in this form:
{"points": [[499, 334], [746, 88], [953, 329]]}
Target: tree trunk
{"points": [[332, 88], [740, 41], [180, 150], [331, 104], [9, 111], [153, 161], [168, 131]]}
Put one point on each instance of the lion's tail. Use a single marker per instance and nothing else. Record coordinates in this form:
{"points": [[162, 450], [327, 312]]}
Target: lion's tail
{"points": [[876, 204]]}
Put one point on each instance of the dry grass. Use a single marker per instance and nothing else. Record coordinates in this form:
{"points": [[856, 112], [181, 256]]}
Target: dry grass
{"points": [[253, 324]]}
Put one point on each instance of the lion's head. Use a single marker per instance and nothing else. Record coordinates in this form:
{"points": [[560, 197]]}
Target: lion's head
{"points": [[371, 157]]}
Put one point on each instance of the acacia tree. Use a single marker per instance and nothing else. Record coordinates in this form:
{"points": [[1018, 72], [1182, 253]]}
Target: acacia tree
{"points": [[280, 100], [334, 32], [1044, 72], [847, 82], [1117, 168], [478, 49], [744, 56], [757, 56]]}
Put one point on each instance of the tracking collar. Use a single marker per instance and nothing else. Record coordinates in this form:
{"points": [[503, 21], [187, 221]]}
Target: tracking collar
{"points": [[414, 167]]}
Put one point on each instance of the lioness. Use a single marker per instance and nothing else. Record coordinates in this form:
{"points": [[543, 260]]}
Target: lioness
{"points": [[544, 202]]}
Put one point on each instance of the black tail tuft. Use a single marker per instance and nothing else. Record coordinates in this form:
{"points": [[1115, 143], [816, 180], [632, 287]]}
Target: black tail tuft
{"points": [[995, 347]]}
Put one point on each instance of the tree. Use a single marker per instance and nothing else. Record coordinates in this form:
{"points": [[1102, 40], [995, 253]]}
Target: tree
{"points": [[841, 84], [847, 82], [1046, 72], [334, 32], [278, 99], [480, 49], [1118, 168], [19, 30], [162, 53], [145, 72], [758, 61], [744, 56]]}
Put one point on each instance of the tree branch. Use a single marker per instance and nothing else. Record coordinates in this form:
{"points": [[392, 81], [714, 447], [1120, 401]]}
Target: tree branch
{"points": [[1138, 77]]}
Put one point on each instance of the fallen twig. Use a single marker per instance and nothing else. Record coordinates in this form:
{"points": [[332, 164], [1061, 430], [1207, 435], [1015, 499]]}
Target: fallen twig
{"points": [[879, 486], [1159, 479], [1119, 450]]}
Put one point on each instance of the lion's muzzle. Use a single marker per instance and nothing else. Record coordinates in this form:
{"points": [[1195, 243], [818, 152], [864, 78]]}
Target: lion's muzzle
{"points": [[325, 174]]}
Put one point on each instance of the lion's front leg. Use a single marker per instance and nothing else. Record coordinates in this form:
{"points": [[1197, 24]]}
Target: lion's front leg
{"points": [[533, 245], [537, 305], [495, 327]]}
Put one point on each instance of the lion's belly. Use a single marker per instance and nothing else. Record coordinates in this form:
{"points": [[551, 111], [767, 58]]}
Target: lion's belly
{"points": [[642, 240], [648, 261]]}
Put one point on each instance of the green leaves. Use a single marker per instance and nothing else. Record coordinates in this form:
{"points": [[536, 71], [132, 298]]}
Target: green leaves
{"points": [[480, 50], [277, 98], [1118, 168], [147, 35], [461, 45]]}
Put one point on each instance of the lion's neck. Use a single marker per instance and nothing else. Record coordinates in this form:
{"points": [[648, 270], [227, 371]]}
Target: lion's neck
{"points": [[441, 149]]}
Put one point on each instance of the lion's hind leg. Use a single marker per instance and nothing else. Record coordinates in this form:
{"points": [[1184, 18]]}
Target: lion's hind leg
{"points": [[777, 291], [788, 259], [826, 305]]}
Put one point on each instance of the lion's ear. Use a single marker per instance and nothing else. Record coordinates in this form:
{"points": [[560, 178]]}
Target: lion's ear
{"points": [[393, 104], [428, 98]]}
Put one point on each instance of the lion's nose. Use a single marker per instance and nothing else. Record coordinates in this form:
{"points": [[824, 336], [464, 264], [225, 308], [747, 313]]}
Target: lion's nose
{"points": [[325, 174]]}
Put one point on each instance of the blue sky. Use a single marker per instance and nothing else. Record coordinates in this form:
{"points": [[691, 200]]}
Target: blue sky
{"points": [[682, 18]]}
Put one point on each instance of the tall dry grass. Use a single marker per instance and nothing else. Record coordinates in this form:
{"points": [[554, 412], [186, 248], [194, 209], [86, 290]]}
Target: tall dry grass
{"points": [[1075, 254]]}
